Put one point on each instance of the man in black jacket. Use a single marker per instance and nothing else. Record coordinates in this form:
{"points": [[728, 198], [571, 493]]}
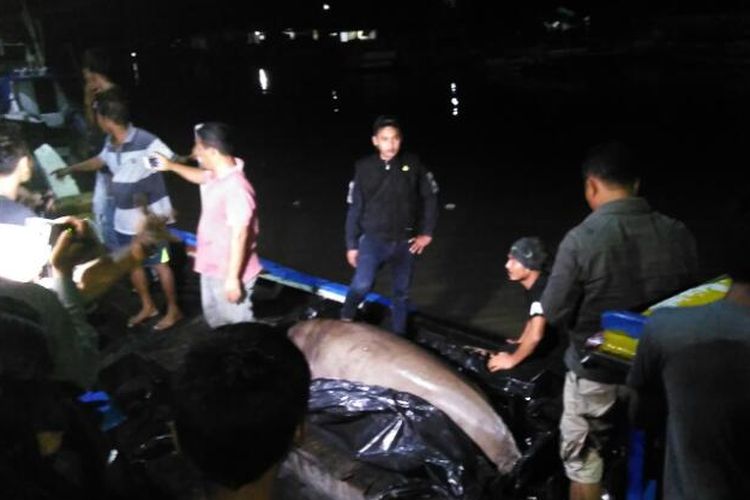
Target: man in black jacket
{"points": [[392, 214]]}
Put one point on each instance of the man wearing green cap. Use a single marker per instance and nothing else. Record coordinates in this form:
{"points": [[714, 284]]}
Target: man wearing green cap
{"points": [[525, 265]]}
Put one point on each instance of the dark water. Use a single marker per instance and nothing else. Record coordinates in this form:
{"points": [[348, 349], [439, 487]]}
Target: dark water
{"points": [[507, 162]]}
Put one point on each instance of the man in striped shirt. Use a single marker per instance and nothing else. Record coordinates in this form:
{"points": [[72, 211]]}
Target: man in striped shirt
{"points": [[136, 189]]}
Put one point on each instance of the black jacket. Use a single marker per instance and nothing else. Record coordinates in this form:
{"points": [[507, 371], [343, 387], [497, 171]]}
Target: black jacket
{"points": [[392, 201]]}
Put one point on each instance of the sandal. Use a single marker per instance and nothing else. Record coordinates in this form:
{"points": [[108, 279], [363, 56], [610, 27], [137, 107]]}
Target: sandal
{"points": [[161, 326], [138, 319]]}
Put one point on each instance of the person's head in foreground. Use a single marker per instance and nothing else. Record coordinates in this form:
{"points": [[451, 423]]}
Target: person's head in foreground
{"points": [[241, 398]]}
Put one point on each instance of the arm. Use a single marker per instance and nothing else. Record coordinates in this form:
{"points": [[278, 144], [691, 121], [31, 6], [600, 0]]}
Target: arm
{"points": [[240, 217], [190, 174], [237, 245], [353, 214], [100, 274], [104, 272], [428, 190], [90, 165], [564, 288], [647, 403], [530, 338], [66, 253]]}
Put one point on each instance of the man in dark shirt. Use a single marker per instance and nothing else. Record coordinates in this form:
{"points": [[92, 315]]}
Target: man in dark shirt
{"points": [[391, 217], [526, 266], [624, 255], [696, 360]]}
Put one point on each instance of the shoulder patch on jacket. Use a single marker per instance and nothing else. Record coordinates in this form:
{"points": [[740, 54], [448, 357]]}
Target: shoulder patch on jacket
{"points": [[350, 193]]}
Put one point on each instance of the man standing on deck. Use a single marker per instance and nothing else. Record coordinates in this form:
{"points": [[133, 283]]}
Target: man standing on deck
{"points": [[226, 254], [133, 188], [391, 218], [624, 255]]}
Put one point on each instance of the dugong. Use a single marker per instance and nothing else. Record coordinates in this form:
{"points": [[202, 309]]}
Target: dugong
{"points": [[368, 355]]}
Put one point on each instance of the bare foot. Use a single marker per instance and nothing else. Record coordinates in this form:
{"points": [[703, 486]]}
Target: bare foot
{"points": [[144, 314], [168, 321]]}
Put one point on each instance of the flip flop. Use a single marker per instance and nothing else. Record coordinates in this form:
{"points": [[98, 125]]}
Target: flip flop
{"points": [[132, 322], [159, 327]]}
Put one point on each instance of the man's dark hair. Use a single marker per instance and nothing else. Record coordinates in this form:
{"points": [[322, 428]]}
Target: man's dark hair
{"points": [[383, 121], [240, 397], [612, 162], [113, 104], [216, 135], [97, 60], [12, 148]]}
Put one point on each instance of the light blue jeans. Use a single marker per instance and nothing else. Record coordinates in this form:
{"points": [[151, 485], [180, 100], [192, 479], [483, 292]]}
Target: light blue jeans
{"points": [[105, 224]]}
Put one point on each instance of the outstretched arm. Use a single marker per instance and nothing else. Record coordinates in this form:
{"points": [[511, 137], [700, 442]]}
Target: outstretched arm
{"points": [[73, 247], [90, 165], [190, 174]]}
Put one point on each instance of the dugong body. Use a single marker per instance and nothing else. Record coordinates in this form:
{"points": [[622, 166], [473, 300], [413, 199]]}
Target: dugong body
{"points": [[368, 355]]}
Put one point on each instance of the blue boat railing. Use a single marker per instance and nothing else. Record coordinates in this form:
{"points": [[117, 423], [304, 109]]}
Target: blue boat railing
{"points": [[278, 273]]}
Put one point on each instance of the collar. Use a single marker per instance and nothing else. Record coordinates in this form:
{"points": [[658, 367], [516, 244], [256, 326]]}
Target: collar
{"points": [[628, 205], [395, 160], [540, 283], [129, 136], [239, 166]]}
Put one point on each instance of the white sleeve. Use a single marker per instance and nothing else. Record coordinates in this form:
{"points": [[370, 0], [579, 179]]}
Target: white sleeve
{"points": [[536, 309], [157, 146]]}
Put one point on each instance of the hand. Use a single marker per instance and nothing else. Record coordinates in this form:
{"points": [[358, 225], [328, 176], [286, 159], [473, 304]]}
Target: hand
{"points": [[418, 244], [75, 245], [35, 200], [162, 162], [501, 361], [351, 257], [233, 290], [478, 350], [61, 172], [152, 230], [93, 88]]}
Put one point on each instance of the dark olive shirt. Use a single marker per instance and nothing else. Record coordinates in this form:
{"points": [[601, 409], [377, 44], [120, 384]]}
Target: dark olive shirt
{"points": [[623, 256], [699, 359]]}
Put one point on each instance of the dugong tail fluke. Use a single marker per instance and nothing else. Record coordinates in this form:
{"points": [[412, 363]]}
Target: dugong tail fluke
{"points": [[368, 355]]}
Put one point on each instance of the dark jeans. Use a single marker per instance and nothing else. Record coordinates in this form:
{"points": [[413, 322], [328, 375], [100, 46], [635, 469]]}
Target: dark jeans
{"points": [[373, 253]]}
